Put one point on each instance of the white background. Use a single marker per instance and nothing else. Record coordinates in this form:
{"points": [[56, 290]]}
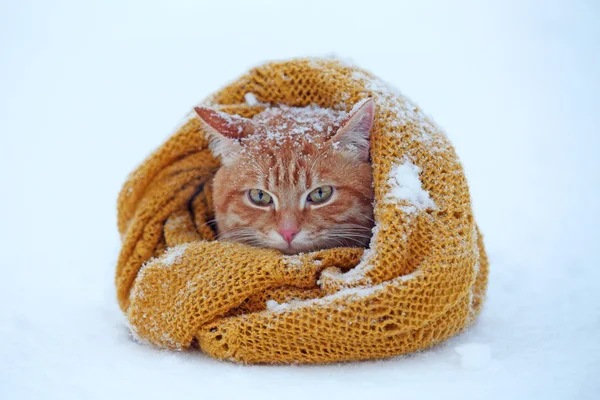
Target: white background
{"points": [[88, 89]]}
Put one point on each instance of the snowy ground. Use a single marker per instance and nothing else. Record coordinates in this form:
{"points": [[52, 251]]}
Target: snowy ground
{"points": [[87, 90]]}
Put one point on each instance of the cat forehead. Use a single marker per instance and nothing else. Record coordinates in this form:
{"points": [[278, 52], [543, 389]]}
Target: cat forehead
{"points": [[282, 167], [285, 144]]}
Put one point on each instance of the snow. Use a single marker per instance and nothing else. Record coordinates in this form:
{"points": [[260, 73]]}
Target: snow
{"points": [[346, 293], [274, 305], [172, 256], [514, 84], [474, 355], [406, 186], [251, 99], [298, 121], [295, 260]]}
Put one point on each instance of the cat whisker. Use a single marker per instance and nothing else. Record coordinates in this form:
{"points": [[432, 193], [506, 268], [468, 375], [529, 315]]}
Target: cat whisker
{"points": [[368, 218], [207, 223], [351, 234], [343, 239], [235, 232], [353, 240], [310, 170]]}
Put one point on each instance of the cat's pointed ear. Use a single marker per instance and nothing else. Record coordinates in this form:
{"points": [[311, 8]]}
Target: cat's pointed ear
{"points": [[223, 131], [353, 135]]}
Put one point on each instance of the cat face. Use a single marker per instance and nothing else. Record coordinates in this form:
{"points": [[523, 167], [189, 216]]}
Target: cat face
{"points": [[293, 179]]}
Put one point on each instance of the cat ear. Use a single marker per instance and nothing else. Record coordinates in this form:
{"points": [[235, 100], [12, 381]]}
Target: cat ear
{"points": [[353, 135], [223, 131]]}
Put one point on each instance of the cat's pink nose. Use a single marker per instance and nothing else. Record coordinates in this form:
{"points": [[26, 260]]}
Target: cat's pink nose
{"points": [[288, 234]]}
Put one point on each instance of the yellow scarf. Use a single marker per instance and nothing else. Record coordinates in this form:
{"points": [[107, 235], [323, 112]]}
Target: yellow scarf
{"points": [[422, 281]]}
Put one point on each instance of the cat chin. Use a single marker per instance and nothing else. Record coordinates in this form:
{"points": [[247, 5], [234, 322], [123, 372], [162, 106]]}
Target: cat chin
{"points": [[294, 248]]}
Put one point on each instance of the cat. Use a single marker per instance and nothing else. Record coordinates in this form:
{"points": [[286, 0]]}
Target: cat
{"points": [[293, 179]]}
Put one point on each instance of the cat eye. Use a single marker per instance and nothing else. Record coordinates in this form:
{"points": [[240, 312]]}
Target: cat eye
{"points": [[259, 197], [320, 194]]}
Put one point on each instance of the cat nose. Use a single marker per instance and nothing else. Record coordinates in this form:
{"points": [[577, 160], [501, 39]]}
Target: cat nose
{"points": [[288, 233]]}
